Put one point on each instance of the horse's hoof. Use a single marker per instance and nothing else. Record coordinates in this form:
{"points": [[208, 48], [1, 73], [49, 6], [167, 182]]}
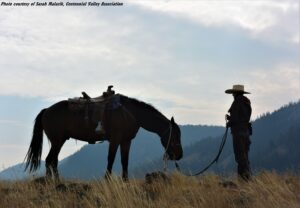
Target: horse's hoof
{"points": [[41, 180], [107, 176], [125, 176]]}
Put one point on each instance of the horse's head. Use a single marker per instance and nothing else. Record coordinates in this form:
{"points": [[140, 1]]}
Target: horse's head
{"points": [[171, 141]]}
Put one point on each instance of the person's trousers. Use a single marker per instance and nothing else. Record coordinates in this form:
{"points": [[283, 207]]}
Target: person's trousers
{"points": [[241, 146]]}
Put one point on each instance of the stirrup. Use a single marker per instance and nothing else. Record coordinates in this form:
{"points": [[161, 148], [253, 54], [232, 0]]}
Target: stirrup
{"points": [[99, 129]]}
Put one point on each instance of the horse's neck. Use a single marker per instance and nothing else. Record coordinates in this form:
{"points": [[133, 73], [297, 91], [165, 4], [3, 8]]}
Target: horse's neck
{"points": [[154, 123], [151, 121]]}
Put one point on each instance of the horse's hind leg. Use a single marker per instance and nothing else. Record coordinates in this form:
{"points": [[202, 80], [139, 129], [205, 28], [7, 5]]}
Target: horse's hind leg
{"points": [[52, 158]]}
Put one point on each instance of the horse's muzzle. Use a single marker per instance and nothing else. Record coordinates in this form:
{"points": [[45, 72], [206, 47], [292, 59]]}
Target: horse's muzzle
{"points": [[179, 156], [173, 156]]}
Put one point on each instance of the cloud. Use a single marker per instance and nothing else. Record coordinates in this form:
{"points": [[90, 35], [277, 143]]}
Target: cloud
{"points": [[272, 89], [12, 123], [13, 154], [178, 65], [262, 19], [45, 55]]}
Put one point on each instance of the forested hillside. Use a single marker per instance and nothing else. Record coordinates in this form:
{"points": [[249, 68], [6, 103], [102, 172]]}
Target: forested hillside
{"points": [[275, 146]]}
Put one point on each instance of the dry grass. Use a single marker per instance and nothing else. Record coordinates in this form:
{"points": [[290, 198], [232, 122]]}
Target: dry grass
{"points": [[266, 190]]}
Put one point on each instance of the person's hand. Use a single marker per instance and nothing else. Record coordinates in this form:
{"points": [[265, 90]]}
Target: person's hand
{"points": [[227, 118]]}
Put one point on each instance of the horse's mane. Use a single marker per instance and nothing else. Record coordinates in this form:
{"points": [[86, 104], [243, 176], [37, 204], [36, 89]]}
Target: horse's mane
{"points": [[140, 103]]}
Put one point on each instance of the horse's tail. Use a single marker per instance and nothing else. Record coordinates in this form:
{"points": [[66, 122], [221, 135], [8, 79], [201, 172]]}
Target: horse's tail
{"points": [[33, 156]]}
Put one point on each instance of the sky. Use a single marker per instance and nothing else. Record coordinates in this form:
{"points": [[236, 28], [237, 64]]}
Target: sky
{"points": [[180, 56]]}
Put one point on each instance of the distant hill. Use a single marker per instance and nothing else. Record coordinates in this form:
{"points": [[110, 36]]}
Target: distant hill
{"points": [[16, 172], [275, 146]]}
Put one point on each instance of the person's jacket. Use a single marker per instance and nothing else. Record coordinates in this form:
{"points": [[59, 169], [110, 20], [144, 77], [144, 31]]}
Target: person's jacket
{"points": [[240, 113]]}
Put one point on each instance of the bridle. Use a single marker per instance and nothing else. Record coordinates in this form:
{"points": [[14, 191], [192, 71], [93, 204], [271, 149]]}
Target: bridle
{"points": [[170, 129], [166, 156]]}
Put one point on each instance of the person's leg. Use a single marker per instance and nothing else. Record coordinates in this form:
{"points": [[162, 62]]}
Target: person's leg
{"points": [[245, 164], [241, 148]]}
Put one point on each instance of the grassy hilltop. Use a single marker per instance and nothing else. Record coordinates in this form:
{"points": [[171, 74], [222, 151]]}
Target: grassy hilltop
{"points": [[266, 190]]}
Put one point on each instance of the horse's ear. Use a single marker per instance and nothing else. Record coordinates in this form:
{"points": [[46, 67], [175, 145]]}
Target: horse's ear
{"points": [[172, 120]]}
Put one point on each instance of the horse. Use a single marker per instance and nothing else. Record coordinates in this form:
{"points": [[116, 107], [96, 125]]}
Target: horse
{"points": [[121, 125]]}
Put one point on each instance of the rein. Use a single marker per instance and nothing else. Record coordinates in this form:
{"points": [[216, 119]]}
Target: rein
{"points": [[165, 157], [215, 160]]}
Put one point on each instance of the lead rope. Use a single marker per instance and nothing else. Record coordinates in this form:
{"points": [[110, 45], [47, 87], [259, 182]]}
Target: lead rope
{"points": [[166, 157], [214, 160]]}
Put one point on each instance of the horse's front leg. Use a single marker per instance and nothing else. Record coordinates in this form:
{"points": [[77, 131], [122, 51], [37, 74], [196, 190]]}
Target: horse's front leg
{"points": [[113, 147], [125, 147]]}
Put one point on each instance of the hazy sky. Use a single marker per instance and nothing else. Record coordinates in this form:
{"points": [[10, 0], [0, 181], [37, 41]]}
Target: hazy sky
{"points": [[178, 55]]}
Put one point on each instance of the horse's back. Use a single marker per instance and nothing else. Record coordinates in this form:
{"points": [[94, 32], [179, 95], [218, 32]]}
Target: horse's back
{"points": [[56, 110], [54, 118]]}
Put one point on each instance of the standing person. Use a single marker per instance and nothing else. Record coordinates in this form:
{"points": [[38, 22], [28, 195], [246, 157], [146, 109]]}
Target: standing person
{"points": [[239, 123]]}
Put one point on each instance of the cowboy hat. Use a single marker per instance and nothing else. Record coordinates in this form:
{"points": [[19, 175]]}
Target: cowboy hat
{"points": [[237, 89]]}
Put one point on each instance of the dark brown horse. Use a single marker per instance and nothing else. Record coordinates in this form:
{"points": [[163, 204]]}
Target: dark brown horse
{"points": [[121, 125]]}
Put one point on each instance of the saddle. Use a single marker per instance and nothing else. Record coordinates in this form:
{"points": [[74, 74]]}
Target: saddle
{"points": [[87, 99], [93, 109]]}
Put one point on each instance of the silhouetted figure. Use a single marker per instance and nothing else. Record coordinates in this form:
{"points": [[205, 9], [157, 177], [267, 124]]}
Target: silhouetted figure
{"points": [[239, 123]]}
